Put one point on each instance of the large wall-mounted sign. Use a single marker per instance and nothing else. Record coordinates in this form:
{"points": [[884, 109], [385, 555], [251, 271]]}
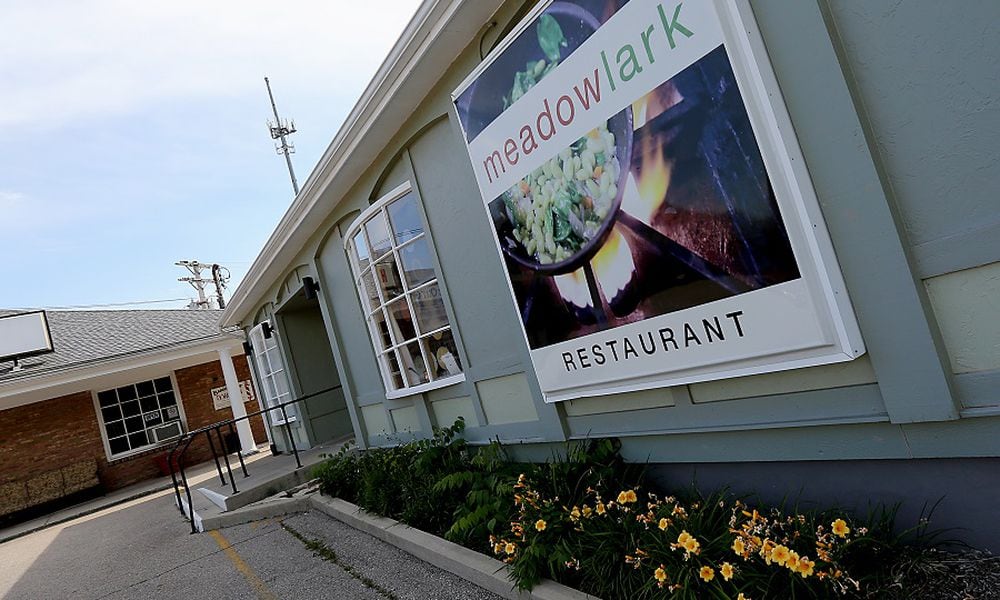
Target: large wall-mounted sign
{"points": [[649, 200]]}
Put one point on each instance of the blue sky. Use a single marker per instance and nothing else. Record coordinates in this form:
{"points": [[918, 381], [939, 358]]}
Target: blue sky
{"points": [[133, 134]]}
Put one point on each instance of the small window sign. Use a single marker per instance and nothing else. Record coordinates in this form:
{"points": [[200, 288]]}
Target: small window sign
{"points": [[220, 395]]}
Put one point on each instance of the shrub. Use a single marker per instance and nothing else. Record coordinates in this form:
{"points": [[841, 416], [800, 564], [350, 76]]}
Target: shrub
{"points": [[588, 519], [398, 482], [339, 474]]}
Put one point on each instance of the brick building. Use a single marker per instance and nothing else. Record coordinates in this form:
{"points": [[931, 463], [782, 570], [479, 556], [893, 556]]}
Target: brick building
{"points": [[100, 412]]}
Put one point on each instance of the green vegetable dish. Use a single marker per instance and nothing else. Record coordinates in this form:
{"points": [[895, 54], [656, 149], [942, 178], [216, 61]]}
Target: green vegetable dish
{"points": [[551, 40], [560, 206]]}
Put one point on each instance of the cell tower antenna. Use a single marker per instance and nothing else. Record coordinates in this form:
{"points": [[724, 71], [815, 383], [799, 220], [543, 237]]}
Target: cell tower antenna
{"points": [[280, 130]]}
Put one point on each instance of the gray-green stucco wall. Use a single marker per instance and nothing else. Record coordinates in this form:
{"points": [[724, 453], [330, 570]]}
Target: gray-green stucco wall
{"points": [[895, 108]]}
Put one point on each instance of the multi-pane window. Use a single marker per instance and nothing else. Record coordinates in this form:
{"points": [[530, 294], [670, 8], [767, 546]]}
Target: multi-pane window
{"points": [[395, 274], [271, 370], [139, 415]]}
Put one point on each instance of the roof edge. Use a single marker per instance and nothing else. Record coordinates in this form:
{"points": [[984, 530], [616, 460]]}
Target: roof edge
{"points": [[35, 378], [414, 44], [366, 109]]}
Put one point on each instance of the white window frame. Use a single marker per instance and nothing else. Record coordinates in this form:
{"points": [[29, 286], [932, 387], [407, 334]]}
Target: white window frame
{"points": [[395, 346], [268, 372], [181, 416]]}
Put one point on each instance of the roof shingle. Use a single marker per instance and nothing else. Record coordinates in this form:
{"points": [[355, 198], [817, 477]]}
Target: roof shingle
{"points": [[85, 336]]}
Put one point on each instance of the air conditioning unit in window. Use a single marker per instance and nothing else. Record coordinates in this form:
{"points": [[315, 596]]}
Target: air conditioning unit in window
{"points": [[167, 432]]}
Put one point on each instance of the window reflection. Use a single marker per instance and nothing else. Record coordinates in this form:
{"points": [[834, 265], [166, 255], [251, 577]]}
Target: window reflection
{"points": [[417, 263], [429, 308], [391, 367], [387, 274], [401, 321], [442, 354], [413, 364], [378, 235], [361, 250], [405, 218]]}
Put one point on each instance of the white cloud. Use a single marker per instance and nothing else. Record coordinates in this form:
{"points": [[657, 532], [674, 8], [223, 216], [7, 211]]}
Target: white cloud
{"points": [[66, 60], [8, 199]]}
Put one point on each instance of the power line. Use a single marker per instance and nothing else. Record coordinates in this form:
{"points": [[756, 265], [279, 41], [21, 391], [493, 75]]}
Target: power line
{"points": [[111, 304]]}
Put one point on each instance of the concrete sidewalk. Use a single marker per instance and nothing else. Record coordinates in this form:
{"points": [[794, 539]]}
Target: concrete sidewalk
{"points": [[143, 549], [197, 474]]}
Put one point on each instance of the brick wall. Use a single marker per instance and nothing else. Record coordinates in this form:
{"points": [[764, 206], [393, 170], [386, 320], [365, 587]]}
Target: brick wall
{"points": [[57, 433], [195, 387], [48, 435]]}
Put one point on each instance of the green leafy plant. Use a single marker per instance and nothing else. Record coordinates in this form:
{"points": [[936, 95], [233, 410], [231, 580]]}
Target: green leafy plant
{"points": [[589, 519], [487, 485], [339, 474]]}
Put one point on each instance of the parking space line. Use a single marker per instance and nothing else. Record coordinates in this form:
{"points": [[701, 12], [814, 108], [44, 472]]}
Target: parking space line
{"points": [[258, 585]]}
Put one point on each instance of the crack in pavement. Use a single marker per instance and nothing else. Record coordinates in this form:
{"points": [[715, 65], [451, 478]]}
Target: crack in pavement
{"points": [[185, 564]]}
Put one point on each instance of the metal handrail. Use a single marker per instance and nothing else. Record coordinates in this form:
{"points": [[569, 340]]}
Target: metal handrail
{"points": [[175, 462]]}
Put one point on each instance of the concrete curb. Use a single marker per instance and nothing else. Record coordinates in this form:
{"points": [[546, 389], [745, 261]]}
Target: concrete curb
{"points": [[486, 572], [255, 512]]}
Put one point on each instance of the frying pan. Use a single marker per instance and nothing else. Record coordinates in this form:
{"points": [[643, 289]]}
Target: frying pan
{"points": [[577, 25]]}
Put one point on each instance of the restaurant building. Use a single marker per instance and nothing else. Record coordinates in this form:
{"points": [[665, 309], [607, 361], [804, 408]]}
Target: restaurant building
{"points": [[113, 391], [754, 241]]}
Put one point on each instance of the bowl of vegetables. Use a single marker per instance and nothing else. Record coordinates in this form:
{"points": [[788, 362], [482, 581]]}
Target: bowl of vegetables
{"points": [[557, 217]]}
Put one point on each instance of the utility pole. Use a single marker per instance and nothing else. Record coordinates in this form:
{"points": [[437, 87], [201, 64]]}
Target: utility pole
{"points": [[280, 130], [220, 275], [195, 280]]}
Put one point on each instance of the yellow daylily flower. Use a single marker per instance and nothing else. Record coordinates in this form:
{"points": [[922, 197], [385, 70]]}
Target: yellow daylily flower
{"points": [[738, 546], [779, 555], [840, 528]]}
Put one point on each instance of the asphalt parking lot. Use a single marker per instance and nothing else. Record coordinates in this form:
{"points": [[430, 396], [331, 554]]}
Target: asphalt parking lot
{"points": [[143, 549]]}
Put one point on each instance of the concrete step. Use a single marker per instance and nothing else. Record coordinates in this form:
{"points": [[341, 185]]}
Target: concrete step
{"points": [[268, 477]]}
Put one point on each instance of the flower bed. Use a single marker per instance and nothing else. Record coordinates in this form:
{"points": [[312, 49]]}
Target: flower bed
{"points": [[591, 521]]}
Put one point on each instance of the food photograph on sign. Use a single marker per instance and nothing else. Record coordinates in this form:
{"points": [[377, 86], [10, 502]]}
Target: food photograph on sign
{"points": [[644, 206], [665, 206]]}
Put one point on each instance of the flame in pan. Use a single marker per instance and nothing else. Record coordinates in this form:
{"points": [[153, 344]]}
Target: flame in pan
{"points": [[613, 265], [573, 288], [643, 199], [653, 104]]}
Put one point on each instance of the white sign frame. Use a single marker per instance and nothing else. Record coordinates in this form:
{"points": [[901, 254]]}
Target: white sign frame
{"points": [[818, 300], [25, 334], [220, 395]]}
